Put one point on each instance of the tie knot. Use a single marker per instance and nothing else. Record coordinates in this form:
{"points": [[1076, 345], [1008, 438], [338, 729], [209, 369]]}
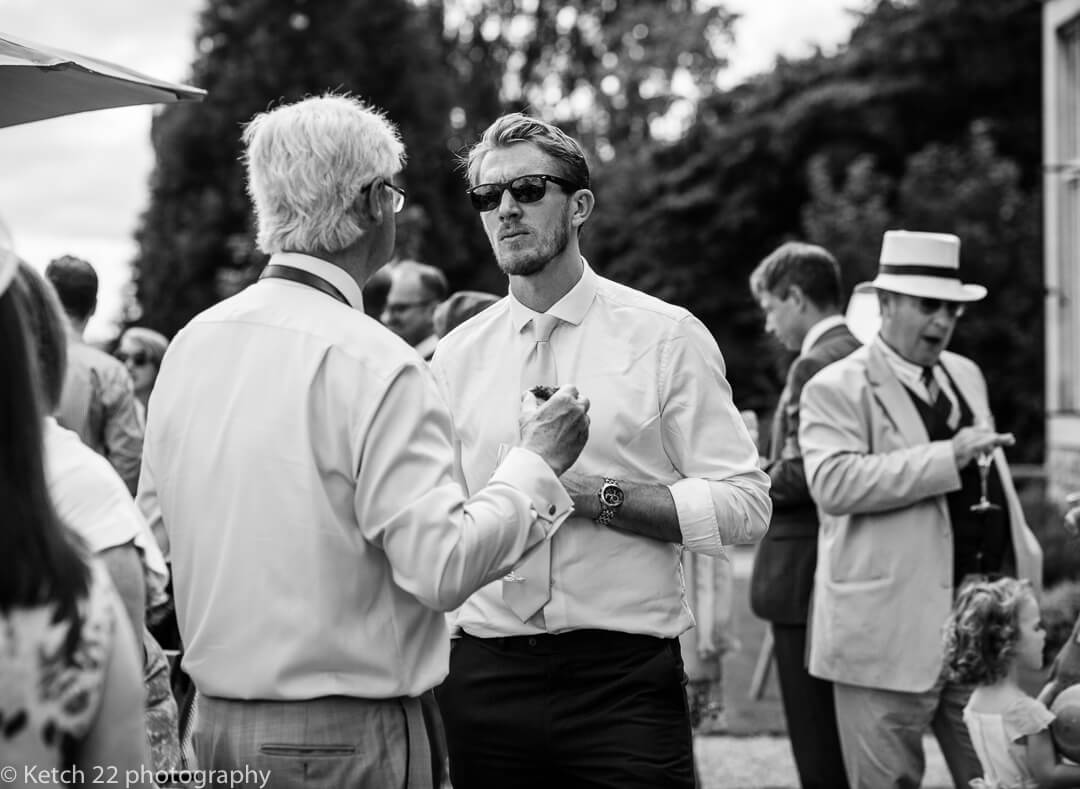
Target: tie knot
{"points": [[928, 376], [542, 326]]}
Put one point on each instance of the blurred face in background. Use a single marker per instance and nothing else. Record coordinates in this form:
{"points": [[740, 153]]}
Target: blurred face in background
{"points": [[1031, 636], [140, 362], [410, 309], [783, 318]]}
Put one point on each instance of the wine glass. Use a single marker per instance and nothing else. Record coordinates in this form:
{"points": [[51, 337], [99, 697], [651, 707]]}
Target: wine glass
{"points": [[985, 462]]}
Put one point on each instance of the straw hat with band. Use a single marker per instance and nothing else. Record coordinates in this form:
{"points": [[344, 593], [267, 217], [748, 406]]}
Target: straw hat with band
{"points": [[922, 264]]}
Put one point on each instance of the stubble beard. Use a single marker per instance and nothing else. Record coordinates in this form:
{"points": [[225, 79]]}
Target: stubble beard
{"points": [[530, 262]]}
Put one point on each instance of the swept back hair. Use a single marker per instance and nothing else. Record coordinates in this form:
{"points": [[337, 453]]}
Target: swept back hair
{"points": [[553, 141], [812, 268], [47, 332], [40, 560], [983, 629], [308, 163]]}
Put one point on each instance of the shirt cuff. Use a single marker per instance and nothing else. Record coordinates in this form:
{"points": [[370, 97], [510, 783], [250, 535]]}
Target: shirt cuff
{"points": [[524, 470], [697, 516]]}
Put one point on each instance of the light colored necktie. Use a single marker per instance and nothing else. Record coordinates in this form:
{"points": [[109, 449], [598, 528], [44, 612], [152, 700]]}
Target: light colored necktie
{"points": [[528, 588]]}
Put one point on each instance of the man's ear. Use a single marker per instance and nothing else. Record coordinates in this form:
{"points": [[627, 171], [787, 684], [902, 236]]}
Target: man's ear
{"points": [[581, 206], [368, 205]]}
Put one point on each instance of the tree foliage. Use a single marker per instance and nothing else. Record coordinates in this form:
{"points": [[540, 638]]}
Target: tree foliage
{"points": [[195, 241], [837, 149], [928, 118], [605, 71]]}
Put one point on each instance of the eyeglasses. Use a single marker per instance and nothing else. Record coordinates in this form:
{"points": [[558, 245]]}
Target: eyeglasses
{"points": [[524, 189], [395, 191], [402, 306], [953, 309], [138, 358]]}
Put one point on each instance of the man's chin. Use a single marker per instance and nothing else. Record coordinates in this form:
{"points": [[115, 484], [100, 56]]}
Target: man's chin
{"points": [[522, 267]]}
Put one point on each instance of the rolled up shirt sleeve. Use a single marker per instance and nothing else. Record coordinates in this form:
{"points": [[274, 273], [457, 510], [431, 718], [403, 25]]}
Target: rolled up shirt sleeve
{"points": [[723, 496]]}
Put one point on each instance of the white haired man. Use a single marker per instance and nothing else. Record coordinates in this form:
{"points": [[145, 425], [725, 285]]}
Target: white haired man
{"points": [[568, 670], [889, 437], [300, 458]]}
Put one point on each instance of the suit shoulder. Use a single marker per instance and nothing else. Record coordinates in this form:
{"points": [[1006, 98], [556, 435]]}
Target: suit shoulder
{"points": [[843, 371], [956, 361]]}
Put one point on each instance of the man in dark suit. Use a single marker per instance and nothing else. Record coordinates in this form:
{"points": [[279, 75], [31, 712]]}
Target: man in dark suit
{"points": [[798, 289]]}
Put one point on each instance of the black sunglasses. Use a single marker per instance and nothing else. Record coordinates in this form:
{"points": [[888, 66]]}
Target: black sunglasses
{"points": [[953, 309], [138, 358], [524, 189]]}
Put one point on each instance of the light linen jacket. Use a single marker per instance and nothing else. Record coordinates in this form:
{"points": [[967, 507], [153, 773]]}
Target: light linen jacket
{"points": [[884, 581]]}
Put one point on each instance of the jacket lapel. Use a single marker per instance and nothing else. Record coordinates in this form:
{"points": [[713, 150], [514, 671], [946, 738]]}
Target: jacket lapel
{"points": [[894, 399], [969, 388]]}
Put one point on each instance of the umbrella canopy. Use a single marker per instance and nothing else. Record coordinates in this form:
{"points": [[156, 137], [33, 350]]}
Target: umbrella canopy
{"points": [[38, 82]]}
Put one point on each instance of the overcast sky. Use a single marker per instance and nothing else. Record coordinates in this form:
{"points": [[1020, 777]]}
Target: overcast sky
{"points": [[78, 184]]}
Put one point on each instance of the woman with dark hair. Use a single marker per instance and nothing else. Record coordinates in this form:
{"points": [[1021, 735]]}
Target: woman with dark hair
{"points": [[92, 500], [70, 684]]}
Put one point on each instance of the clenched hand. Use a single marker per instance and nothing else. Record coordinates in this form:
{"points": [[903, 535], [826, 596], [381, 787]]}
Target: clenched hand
{"points": [[971, 441], [557, 429]]}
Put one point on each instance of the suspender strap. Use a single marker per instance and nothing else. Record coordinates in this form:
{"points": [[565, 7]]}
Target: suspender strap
{"points": [[277, 271]]}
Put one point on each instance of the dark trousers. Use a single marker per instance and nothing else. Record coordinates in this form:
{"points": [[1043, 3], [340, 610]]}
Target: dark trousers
{"points": [[585, 709], [810, 710]]}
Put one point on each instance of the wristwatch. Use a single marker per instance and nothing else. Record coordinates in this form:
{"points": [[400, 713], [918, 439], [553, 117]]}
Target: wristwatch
{"points": [[611, 498]]}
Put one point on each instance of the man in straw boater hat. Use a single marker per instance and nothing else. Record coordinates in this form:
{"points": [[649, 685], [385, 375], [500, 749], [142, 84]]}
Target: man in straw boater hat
{"points": [[890, 435]]}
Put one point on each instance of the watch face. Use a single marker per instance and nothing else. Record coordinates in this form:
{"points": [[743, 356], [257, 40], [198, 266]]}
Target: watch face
{"points": [[611, 495]]}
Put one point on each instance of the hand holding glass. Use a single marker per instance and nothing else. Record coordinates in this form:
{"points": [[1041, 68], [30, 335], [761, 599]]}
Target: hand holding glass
{"points": [[985, 461]]}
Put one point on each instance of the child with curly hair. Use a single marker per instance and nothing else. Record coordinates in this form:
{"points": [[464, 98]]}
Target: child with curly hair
{"points": [[994, 630]]}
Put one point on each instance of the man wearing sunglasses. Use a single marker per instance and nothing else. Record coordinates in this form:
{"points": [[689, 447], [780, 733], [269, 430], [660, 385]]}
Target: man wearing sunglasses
{"points": [[889, 437], [299, 456], [567, 671]]}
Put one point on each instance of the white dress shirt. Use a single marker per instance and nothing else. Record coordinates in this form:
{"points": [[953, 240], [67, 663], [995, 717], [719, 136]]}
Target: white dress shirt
{"points": [[662, 413], [300, 456], [910, 375]]}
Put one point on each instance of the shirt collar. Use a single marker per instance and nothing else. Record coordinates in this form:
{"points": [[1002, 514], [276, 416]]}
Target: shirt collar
{"points": [[426, 346], [335, 275], [818, 330], [571, 308], [909, 373]]}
